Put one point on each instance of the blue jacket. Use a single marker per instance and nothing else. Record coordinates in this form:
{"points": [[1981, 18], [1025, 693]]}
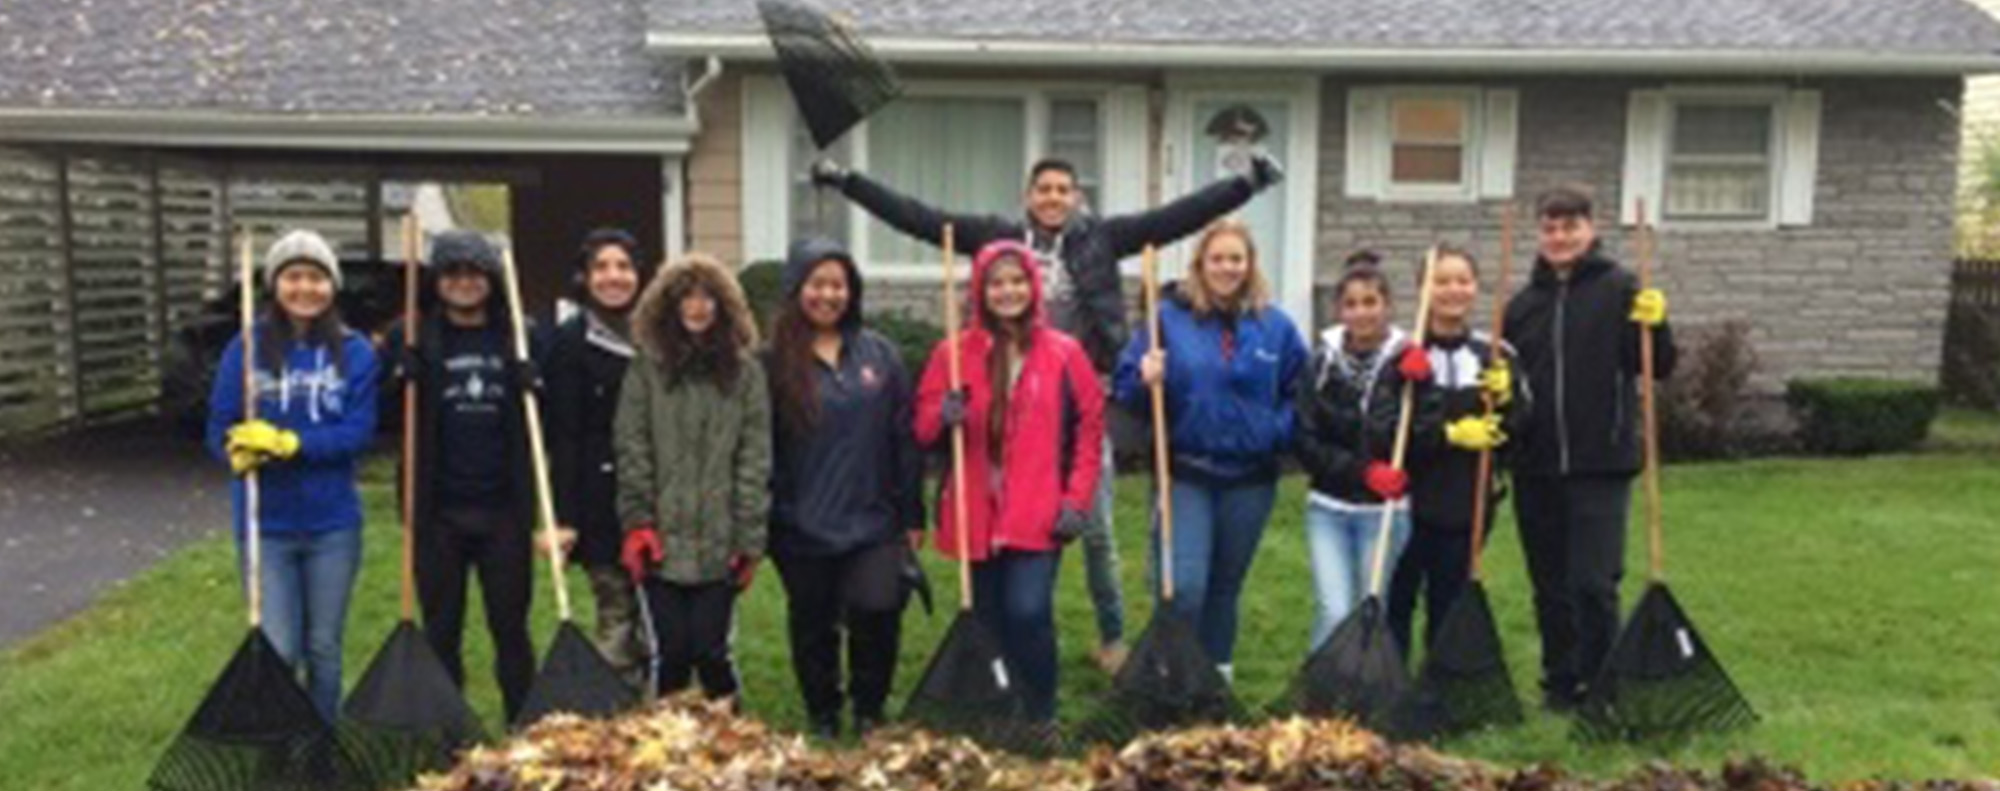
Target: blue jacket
{"points": [[1230, 415], [333, 411]]}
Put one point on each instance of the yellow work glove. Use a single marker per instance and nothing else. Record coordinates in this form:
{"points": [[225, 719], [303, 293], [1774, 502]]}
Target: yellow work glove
{"points": [[1650, 307], [1475, 433], [1498, 381], [264, 439], [242, 462]]}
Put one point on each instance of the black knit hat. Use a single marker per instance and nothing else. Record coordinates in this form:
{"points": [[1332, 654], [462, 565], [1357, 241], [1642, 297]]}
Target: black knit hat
{"points": [[465, 247]]}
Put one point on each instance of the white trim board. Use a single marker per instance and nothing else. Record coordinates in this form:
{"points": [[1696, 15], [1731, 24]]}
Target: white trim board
{"points": [[1016, 52], [166, 128]]}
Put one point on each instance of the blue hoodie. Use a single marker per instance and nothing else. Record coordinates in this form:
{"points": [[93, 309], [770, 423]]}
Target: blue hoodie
{"points": [[1230, 415], [333, 411]]}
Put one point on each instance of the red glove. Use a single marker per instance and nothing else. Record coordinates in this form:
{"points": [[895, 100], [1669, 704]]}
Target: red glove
{"points": [[642, 550], [744, 569], [1415, 365], [1385, 481]]}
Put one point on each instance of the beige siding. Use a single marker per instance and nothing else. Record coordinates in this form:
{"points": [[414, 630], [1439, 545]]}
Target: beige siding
{"points": [[1981, 130], [715, 173]]}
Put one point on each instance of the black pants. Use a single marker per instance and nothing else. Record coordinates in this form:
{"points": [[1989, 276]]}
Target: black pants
{"points": [[859, 592], [691, 623], [1573, 531], [457, 541], [1434, 564]]}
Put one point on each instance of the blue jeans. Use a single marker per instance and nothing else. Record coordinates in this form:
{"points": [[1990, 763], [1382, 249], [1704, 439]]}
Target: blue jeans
{"points": [[307, 581], [1100, 556], [1014, 593], [1216, 532], [1342, 546]]}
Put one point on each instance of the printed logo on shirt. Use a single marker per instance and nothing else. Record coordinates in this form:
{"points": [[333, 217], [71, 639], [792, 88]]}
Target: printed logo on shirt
{"points": [[319, 392], [474, 383], [869, 378]]}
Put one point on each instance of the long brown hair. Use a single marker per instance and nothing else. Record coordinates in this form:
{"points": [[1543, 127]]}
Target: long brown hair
{"points": [[1011, 338], [794, 387], [718, 353], [1256, 291]]}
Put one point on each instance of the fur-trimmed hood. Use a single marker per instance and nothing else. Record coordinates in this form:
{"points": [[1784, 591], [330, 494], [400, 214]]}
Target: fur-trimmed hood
{"points": [[657, 305]]}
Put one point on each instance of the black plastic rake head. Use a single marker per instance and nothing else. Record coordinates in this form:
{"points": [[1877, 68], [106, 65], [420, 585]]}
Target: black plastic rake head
{"points": [[1358, 672], [1168, 681], [967, 690], [1661, 681], [836, 80], [1463, 683], [406, 716], [257, 730], [575, 678]]}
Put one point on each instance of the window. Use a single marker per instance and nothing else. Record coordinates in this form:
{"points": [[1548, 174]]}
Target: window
{"points": [[1428, 137], [815, 211], [1722, 157], [1719, 162], [964, 154], [1074, 135], [1430, 143]]}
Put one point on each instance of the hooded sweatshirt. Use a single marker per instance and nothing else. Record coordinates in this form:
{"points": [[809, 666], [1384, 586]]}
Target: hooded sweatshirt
{"points": [[331, 407], [1230, 389], [1347, 414], [1054, 427], [853, 478]]}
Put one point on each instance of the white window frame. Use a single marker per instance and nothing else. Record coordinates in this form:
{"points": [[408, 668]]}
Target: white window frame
{"points": [[768, 113], [1794, 153], [1773, 142], [1487, 162]]}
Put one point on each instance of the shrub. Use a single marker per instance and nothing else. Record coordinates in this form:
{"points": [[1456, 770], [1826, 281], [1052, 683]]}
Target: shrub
{"points": [[1701, 407], [1862, 416], [915, 337], [763, 286]]}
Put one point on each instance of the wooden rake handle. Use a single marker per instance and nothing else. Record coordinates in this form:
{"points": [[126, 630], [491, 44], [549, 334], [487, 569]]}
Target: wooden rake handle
{"points": [[956, 380], [253, 523], [411, 321], [1163, 470], [1655, 541], [1403, 421], [537, 447], [1482, 490]]}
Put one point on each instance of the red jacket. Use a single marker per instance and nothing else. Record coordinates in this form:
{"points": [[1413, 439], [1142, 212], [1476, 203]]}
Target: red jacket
{"points": [[1054, 429]]}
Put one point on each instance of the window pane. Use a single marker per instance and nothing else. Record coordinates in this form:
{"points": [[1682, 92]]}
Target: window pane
{"points": [[1442, 165], [963, 155], [816, 212], [1718, 191], [1074, 135], [1722, 129], [1430, 120]]}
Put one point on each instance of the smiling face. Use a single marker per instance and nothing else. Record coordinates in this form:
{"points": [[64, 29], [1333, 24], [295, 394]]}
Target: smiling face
{"points": [[1009, 293], [464, 287], [697, 311], [1224, 266], [1454, 287], [1364, 309], [824, 297], [1563, 240], [611, 278], [1052, 197], [304, 291]]}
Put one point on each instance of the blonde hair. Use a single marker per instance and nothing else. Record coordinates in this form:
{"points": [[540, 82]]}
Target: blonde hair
{"points": [[1256, 291]]}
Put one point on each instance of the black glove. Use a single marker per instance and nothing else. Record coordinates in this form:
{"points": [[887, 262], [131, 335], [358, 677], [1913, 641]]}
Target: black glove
{"points": [[828, 173], [409, 365], [1071, 524], [1265, 172], [952, 411], [527, 376]]}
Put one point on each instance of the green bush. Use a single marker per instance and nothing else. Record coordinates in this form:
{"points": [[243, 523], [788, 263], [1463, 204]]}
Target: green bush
{"points": [[763, 286], [915, 337], [1861, 416]]}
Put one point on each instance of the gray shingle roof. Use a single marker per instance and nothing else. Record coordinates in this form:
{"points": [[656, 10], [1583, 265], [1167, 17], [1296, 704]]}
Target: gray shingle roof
{"points": [[1895, 26], [489, 57]]}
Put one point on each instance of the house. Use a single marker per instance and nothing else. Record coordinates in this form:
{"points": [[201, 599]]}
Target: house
{"points": [[1800, 156], [136, 136]]}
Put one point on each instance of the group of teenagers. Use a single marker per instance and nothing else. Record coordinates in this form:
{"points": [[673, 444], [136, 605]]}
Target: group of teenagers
{"points": [[687, 444]]}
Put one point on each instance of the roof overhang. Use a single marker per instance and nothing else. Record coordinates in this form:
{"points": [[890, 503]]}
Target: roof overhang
{"points": [[1026, 53], [466, 133]]}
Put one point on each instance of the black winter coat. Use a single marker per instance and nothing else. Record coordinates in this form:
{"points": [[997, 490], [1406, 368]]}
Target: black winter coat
{"points": [[582, 374], [1579, 353], [1442, 477]]}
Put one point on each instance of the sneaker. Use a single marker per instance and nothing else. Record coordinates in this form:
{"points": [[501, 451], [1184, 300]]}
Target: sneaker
{"points": [[826, 728], [1111, 656]]}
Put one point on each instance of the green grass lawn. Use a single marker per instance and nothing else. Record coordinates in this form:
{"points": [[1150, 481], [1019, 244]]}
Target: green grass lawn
{"points": [[1856, 602]]}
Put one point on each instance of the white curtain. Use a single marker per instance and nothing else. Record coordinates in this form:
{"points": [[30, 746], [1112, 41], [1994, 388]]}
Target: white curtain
{"points": [[959, 154]]}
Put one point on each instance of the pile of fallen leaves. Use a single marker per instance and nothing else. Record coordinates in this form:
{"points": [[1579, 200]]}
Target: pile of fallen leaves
{"points": [[692, 746]]}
